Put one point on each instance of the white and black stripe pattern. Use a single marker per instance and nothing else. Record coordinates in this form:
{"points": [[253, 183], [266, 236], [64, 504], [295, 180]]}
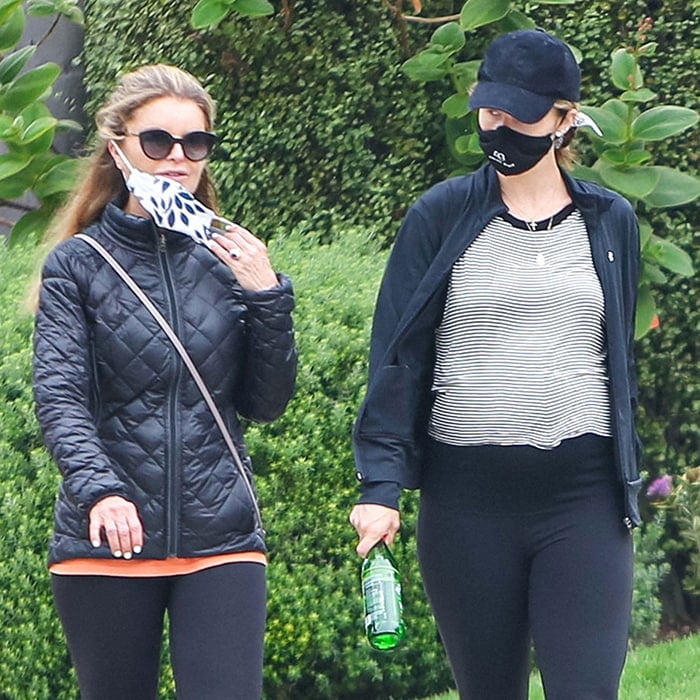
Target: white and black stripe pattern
{"points": [[521, 345]]}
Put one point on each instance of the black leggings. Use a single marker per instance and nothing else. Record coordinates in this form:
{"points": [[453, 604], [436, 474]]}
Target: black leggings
{"points": [[217, 622], [517, 543]]}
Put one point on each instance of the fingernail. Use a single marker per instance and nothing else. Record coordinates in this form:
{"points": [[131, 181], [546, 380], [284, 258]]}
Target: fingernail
{"points": [[117, 553], [137, 549], [95, 543], [127, 555]]}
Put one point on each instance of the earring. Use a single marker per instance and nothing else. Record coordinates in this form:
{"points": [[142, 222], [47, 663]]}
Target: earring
{"points": [[558, 140]]}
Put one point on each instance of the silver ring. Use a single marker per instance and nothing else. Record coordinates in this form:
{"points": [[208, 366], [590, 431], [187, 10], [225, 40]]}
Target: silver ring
{"points": [[235, 253]]}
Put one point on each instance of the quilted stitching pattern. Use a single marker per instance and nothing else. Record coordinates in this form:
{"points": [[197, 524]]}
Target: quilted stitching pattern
{"points": [[121, 414]]}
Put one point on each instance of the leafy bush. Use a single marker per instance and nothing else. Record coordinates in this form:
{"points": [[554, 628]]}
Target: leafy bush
{"points": [[650, 568], [33, 658]]}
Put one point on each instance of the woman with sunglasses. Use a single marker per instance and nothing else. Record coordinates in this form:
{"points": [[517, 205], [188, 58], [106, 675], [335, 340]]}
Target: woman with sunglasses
{"points": [[153, 516]]}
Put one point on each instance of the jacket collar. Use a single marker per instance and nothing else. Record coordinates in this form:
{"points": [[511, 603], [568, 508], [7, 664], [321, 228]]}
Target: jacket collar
{"points": [[136, 232]]}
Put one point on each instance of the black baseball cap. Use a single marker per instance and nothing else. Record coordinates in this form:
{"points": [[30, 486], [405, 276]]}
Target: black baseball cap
{"points": [[524, 73]]}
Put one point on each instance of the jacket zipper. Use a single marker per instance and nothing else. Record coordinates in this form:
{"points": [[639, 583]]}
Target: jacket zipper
{"points": [[172, 466]]}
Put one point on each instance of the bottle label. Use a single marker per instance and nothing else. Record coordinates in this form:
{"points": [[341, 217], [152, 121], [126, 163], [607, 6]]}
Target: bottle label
{"points": [[382, 595]]}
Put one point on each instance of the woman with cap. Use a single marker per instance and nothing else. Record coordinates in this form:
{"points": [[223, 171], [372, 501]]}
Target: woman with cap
{"points": [[502, 383]]}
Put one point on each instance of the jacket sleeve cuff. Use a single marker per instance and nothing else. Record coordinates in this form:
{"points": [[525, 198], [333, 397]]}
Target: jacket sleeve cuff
{"points": [[383, 493]]}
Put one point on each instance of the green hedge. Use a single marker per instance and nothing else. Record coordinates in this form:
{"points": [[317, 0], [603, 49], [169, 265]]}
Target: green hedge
{"points": [[33, 658]]}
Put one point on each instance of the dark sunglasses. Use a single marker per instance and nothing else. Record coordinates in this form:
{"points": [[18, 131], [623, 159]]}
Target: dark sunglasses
{"points": [[157, 143]]}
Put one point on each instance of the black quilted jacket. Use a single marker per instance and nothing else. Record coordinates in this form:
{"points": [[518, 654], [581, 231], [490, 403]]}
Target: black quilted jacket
{"points": [[119, 411]]}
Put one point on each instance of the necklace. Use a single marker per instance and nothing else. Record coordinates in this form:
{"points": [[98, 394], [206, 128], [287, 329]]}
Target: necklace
{"points": [[539, 258], [537, 217], [540, 225]]}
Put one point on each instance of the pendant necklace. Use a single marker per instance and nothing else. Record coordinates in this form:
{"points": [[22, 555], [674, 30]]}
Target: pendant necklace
{"points": [[540, 259]]}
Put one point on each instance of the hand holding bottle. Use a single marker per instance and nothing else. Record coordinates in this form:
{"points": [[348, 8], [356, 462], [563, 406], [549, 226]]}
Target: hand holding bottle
{"points": [[374, 522]]}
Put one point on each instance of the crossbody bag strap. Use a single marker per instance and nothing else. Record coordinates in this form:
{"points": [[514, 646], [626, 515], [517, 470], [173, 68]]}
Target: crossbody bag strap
{"points": [[172, 336]]}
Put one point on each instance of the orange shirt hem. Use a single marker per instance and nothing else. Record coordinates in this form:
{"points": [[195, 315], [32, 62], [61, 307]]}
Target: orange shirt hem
{"points": [[173, 566]]}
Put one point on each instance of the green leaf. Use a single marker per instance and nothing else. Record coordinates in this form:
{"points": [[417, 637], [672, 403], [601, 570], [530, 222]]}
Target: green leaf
{"points": [[673, 188], [618, 108], [661, 122], [68, 125], [606, 117], [41, 8], [624, 70], [645, 232], [74, 14], [652, 274], [641, 95], [462, 130], [59, 178], [461, 144], [8, 128], [32, 113], [253, 8], [12, 29], [29, 87], [515, 20], [622, 156], [670, 256], [33, 223], [476, 13], [38, 128], [556, 2], [616, 156], [635, 181], [456, 106], [464, 74], [7, 8], [585, 173], [11, 164], [646, 311], [12, 64], [427, 65], [208, 13], [450, 37], [16, 186], [638, 156]]}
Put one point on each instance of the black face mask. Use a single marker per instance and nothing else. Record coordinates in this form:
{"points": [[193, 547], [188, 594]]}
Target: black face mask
{"points": [[511, 152]]}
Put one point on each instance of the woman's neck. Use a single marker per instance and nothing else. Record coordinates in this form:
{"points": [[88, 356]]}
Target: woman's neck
{"points": [[536, 194]]}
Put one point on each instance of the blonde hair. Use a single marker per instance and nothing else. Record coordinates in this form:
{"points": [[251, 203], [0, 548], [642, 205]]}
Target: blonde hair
{"points": [[565, 153]]}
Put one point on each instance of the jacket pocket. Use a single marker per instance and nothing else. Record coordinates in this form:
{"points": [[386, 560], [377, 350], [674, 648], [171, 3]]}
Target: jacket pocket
{"points": [[391, 404]]}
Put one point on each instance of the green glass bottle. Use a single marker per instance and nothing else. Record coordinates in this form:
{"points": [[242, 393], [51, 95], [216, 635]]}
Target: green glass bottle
{"points": [[381, 593]]}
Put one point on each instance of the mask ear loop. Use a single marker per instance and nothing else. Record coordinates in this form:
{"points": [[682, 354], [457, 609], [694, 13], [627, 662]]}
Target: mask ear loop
{"points": [[123, 157]]}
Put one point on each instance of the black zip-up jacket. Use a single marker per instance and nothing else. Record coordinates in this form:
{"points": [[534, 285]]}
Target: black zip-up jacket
{"points": [[119, 411], [392, 422]]}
